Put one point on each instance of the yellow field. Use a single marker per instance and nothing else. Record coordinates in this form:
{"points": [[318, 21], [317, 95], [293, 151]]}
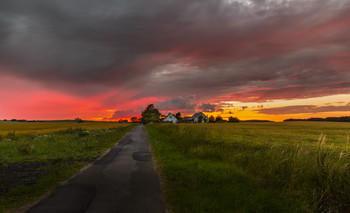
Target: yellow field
{"points": [[46, 127]]}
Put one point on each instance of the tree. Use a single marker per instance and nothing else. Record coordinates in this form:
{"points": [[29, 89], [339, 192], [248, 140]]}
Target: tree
{"points": [[233, 119], [133, 119], [162, 117], [178, 115], [179, 118], [150, 114], [218, 118], [79, 120], [211, 119]]}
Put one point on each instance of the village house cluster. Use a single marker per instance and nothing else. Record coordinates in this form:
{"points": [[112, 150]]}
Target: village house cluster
{"points": [[199, 117]]}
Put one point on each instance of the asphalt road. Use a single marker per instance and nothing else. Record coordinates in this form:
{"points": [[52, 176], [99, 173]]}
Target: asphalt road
{"points": [[124, 180]]}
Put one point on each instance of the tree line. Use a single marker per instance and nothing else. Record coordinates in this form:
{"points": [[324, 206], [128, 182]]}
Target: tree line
{"points": [[152, 114], [333, 119]]}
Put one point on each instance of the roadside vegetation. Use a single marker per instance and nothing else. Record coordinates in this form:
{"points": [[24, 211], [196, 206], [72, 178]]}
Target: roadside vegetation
{"points": [[32, 164], [34, 128], [254, 167]]}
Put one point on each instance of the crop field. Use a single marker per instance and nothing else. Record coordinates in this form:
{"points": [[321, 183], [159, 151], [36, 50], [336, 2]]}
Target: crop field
{"points": [[254, 167], [35, 157], [48, 127]]}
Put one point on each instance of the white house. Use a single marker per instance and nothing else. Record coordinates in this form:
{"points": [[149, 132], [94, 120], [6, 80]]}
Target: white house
{"points": [[199, 117], [170, 118]]}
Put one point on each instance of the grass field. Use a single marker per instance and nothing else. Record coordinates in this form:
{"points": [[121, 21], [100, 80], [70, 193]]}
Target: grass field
{"points": [[35, 128], [35, 157], [254, 167]]}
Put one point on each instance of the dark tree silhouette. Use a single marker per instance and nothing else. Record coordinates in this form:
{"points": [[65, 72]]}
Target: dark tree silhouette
{"points": [[233, 119], [218, 118], [211, 119], [79, 120], [150, 114], [178, 115], [134, 119]]}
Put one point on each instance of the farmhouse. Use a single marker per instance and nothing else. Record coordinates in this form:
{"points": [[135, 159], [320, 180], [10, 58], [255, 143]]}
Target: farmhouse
{"points": [[170, 118], [199, 117]]}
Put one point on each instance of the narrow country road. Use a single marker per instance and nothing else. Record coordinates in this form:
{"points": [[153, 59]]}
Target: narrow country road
{"points": [[124, 180]]}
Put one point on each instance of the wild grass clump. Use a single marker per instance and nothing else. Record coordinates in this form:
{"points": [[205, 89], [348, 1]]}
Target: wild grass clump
{"points": [[11, 134], [71, 130], [331, 180], [25, 149], [306, 163]]}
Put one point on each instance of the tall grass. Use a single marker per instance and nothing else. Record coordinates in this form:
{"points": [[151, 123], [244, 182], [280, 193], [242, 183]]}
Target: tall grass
{"points": [[306, 162]]}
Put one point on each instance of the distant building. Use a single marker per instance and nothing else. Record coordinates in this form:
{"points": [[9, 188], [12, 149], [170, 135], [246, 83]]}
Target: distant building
{"points": [[170, 118], [199, 117]]}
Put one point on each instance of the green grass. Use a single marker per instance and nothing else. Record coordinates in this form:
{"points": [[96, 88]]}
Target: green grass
{"points": [[212, 167], [34, 128], [66, 152]]}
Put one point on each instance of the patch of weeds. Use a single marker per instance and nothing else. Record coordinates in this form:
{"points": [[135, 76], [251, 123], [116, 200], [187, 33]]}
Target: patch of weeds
{"points": [[83, 133], [25, 149], [332, 187], [11, 134], [71, 130]]}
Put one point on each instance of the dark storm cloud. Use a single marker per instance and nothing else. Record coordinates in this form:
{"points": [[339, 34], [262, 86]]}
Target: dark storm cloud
{"points": [[123, 114], [208, 107], [177, 103], [300, 109], [180, 48]]}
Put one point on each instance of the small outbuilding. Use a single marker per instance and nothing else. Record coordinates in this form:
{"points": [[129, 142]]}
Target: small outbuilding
{"points": [[170, 118]]}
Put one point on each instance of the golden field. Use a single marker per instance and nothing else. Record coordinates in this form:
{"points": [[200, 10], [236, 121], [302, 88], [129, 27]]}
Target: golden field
{"points": [[48, 127]]}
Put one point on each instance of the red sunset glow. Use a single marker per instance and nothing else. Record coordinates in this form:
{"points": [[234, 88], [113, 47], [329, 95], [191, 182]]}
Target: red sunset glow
{"points": [[268, 60]]}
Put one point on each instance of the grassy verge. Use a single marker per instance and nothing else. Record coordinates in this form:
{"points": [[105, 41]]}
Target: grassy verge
{"points": [[307, 163], [197, 184], [38, 163]]}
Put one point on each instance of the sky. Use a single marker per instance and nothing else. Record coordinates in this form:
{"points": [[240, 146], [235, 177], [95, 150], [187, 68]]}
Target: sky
{"points": [[108, 59]]}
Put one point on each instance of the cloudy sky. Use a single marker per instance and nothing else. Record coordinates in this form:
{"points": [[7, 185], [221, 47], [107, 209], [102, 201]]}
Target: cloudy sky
{"points": [[108, 59]]}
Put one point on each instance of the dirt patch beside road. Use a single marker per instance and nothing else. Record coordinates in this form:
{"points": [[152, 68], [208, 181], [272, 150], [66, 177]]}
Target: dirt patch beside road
{"points": [[29, 173]]}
